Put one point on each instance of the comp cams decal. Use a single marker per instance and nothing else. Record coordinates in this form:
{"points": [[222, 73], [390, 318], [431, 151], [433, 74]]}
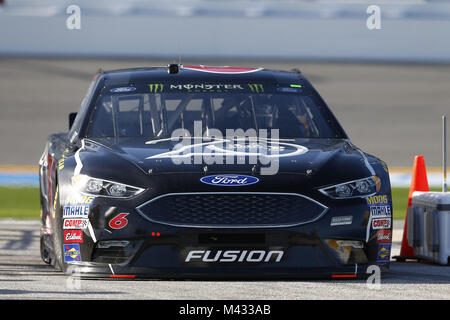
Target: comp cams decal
{"points": [[75, 223], [384, 223]]}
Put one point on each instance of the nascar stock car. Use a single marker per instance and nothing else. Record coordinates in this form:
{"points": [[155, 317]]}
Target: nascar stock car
{"points": [[195, 171]]}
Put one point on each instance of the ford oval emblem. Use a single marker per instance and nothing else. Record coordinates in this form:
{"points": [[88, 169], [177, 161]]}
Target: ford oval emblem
{"points": [[229, 180]]}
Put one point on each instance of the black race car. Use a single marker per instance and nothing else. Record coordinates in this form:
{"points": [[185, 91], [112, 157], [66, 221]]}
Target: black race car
{"points": [[194, 171]]}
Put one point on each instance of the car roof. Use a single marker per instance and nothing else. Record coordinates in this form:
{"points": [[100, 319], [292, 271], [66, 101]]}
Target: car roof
{"points": [[201, 73]]}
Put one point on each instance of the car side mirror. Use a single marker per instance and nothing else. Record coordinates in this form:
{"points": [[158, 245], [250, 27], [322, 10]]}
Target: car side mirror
{"points": [[72, 117]]}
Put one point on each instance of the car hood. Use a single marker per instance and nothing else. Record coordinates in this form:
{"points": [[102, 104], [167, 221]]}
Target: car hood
{"points": [[330, 160]]}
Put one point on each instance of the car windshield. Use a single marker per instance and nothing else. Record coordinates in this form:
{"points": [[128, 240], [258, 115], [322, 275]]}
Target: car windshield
{"points": [[125, 112]]}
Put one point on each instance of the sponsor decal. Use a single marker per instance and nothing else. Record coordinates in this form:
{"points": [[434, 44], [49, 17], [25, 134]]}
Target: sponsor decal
{"points": [[232, 147], [72, 253], [377, 200], [234, 256], [380, 211], [341, 220], [80, 199], [123, 89], [204, 87], [76, 211], [381, 223], [290, 90], [119, 221], [61, 164], [228, 180], [384, 252], [384, 236], [75, 223], [256, 87], [73, 236], [156, 87]]}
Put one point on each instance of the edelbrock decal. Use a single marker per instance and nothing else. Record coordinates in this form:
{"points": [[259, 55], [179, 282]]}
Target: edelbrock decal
{"points": [[228, 180], [73, 236]]}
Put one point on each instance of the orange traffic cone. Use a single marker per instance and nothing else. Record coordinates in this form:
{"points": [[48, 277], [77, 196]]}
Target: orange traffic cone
{"points": [[419, 182]]}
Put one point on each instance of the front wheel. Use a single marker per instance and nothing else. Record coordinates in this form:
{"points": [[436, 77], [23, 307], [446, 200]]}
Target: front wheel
{"points": [[58, 234]]}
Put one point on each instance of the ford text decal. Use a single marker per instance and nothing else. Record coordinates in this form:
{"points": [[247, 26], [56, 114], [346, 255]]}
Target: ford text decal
{"points": [[229, 180]]}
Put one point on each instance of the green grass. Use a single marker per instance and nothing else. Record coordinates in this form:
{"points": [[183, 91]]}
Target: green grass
{"points": [[23, 203], [19, 202]]}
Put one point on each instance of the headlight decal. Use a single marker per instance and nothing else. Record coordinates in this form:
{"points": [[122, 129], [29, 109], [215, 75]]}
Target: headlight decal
{"points": [[360, 188], [104, 188]]}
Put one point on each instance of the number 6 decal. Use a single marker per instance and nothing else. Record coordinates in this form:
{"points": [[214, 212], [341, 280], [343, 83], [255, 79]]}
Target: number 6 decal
{"points": [[119, 221]]}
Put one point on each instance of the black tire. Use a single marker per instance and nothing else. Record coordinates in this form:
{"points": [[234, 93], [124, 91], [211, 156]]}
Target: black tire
{"points": [[58, 235], [45, 251]]}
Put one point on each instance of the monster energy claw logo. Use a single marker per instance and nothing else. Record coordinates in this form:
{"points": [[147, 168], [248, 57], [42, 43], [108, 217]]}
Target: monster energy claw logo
{"points": [[256, 87], [156, 87]]}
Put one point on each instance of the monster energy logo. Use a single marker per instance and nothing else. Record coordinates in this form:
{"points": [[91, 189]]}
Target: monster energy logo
{"points": [[256, 87], [156, 87]]}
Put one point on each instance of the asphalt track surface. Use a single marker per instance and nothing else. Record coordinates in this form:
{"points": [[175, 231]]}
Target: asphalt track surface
{"points": [[23, 275], [390, 110]]}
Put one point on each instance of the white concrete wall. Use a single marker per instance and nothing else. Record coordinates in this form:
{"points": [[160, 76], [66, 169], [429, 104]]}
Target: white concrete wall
{"points": [[319, 34]]}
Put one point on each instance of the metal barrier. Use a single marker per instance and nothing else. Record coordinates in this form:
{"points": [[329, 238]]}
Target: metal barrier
{"points": [[429, 226]]}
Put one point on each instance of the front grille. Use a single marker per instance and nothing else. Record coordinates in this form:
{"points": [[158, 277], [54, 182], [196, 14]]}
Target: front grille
{"points": [[231, 210]]}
